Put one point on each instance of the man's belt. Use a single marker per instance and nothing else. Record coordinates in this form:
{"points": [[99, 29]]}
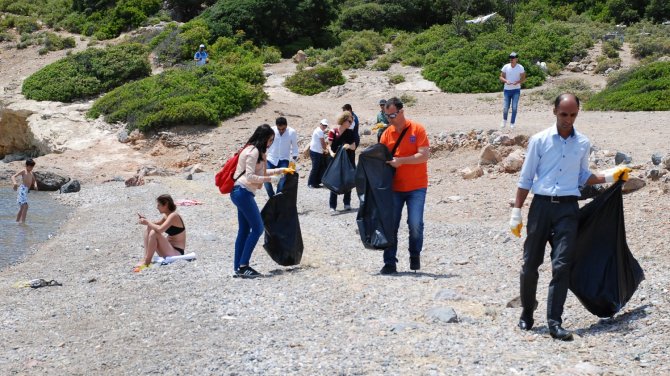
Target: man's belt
{"points": [[557, 199]]}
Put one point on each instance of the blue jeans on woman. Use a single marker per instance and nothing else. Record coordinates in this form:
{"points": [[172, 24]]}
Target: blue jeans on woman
{"points": [[268, 186], [513, 97], [415, 201], [250, 225], [332, 202]]}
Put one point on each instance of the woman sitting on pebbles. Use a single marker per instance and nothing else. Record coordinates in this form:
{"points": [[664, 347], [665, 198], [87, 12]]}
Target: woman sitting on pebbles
{"points": [[172, 224]]}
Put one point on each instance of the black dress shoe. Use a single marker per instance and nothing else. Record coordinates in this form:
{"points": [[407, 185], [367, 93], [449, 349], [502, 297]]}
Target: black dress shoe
{"points": [[525, 323], [559, 333]]}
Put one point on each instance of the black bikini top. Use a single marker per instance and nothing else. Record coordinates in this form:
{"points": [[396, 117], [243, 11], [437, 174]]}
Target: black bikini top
{"points": [[174, 230]]}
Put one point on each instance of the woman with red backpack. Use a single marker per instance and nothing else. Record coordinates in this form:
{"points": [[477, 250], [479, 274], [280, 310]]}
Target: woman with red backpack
{"points": [[251, 173]]}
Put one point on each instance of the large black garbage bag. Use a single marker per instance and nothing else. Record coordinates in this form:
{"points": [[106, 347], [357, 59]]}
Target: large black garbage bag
{"points": [[340, 174], [374, 180], [604, 274], [283, 239]]}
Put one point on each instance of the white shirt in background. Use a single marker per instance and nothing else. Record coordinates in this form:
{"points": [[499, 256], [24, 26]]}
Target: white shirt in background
{"points": [[284, 146], [317, 137], [513, 75]]}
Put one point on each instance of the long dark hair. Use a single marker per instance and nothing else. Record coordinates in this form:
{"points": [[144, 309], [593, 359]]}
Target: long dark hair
{"points": [[167, 199], [260, 138]]}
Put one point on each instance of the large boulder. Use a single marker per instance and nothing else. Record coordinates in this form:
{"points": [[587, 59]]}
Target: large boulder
{"points": [[49, 181]]}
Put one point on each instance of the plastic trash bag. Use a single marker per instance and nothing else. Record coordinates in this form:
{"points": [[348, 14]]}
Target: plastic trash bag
{"points": [[283, 238], [340, 174], [604, 273], [374, 181]]}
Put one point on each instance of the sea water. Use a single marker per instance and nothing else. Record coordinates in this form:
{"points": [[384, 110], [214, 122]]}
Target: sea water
{"points": [[44, 217]]}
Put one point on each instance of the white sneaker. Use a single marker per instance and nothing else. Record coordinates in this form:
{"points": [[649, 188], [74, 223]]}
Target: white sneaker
{"points": [[347, 207], [511, 126], [503, 123], [333, 211]]}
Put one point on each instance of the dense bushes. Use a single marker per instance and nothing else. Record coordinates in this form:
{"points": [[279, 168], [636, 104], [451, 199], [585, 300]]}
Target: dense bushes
{"points": [[203, 95], [315, 80], [645, 88], [231, 83], [271, 22], [469, 60], [88, 73], [356, 48]]}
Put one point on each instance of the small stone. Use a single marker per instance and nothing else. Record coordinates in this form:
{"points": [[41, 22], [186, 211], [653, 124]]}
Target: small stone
{"points": [[656, 159], [442, 314], [620, 158]]}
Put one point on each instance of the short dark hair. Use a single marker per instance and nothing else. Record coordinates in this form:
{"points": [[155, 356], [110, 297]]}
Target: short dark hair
{"points": [[30, 162], [560, 98], [347, 107], [281, 121], [167, 200], [395, 101]]}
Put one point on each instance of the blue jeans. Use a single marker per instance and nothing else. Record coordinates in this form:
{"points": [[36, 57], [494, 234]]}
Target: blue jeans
{"points": [[316, 173], [415, 201], [268, 186], [332, 202], [250, 225], [511, 96]]}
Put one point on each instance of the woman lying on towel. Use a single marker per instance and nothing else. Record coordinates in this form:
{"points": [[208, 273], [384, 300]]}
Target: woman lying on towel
{"points": [[170, 223]]}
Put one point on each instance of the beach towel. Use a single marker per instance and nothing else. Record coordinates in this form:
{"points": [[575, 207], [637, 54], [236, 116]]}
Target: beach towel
{"points": [[171, 259]]}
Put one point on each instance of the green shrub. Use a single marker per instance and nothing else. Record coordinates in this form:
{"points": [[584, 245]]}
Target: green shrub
{"points": [[315, 80], [396, 79], [88, 73], [605, 63], [6, 37], [270, 55], [610, 50], [408, 99], [644, 88], [190, 96], [382, 64]]}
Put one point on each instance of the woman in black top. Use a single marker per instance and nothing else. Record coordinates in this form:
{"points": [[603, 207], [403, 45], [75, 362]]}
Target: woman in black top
{"points": [[170, 223], [344, 137]]}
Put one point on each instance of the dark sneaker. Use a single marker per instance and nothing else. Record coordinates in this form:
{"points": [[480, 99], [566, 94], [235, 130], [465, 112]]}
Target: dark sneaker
{"points": [[388, 269], [246, 272], [415, 262]]}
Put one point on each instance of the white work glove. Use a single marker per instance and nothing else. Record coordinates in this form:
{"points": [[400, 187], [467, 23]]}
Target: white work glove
{"points": [[616, 173], [274, 179], [515, 222]]}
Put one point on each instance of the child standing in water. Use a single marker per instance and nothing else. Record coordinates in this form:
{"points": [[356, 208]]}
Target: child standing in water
{"points": [[27, 180]]}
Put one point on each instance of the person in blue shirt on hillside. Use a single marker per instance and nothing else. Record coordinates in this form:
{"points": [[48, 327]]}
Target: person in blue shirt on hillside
{"points": [[201, 57], [556, 165]]}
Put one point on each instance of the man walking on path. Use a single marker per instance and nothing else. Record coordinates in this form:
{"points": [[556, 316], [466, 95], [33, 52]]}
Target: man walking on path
{"points": [[410, 181], [285, 146], [512, 75], [201, 57], [556, 165]]}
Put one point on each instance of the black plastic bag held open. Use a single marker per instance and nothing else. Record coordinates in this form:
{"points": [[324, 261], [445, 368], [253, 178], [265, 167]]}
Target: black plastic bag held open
{"points": [[283, 239], [340, 173], [604, 273], [374, 181]]}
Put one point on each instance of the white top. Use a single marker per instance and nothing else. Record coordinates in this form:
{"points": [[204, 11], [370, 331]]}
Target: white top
{"points": [[315, 144], [284, 146], [513, 74]]}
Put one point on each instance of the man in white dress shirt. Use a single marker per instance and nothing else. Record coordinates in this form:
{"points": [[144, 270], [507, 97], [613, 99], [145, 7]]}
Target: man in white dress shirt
{"points": [[283, 149]]}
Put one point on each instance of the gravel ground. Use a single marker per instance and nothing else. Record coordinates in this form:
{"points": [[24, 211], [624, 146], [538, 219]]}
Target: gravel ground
{"points": [[334, 314]]}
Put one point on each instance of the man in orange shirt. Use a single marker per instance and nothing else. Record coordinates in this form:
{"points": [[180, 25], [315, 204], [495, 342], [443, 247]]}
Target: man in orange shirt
{"points": [[410, 181]]}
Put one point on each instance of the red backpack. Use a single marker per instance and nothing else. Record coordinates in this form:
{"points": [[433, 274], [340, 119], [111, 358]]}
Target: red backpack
{"points": [[224, 179]]}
